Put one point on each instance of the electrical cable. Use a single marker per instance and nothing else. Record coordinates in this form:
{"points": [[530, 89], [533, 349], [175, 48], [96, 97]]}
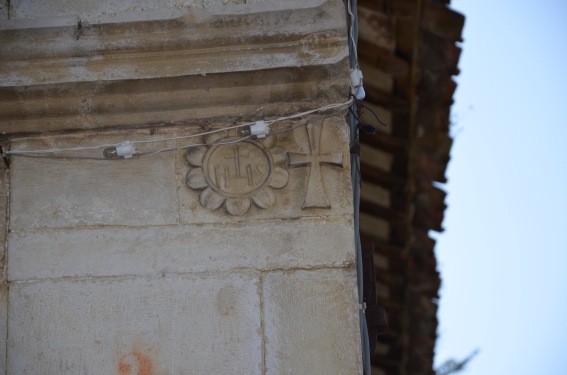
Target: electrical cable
{"points": [[356, 181], [194, 145], [90, 148], [37, 153], [232, 141], [321, 118], [353, 32]]}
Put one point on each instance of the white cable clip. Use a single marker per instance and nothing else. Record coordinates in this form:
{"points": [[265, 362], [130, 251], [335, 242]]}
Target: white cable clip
{"points": [[260, 129], [356, 84], [124, 149]]}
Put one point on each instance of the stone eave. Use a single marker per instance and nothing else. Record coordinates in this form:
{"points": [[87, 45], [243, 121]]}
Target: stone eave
{"points": [[413, 50]]}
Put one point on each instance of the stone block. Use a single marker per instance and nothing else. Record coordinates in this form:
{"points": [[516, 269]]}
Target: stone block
{"points": [[377, 78], [374, 226], [375, 194], [377, 28], [311, 322], [376, 158], [170, 325], [301, 173], [158, 250], [55, 193]]}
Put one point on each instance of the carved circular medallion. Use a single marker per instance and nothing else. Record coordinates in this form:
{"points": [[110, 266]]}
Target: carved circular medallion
{"points": [[237, 170], [237, 173]]}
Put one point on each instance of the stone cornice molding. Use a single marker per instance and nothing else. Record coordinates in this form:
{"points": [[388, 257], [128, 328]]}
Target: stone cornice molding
{"points": [[195, 43], [93, 75]]}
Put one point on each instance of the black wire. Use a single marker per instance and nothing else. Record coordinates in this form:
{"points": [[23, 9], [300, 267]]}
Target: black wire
{"points": [[321, 118], [363, 106]]}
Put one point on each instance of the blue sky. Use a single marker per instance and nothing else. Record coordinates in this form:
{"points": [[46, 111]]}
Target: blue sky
{"points": [[503, 256]]}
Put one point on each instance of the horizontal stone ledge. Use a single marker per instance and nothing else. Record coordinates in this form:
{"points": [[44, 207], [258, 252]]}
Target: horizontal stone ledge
{"points": [[196, 43], [162, 101], [33, 13], [108, 251], [310, 50]]}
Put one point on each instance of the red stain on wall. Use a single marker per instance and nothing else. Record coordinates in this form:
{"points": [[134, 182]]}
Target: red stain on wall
{"points": [[135, 363]]}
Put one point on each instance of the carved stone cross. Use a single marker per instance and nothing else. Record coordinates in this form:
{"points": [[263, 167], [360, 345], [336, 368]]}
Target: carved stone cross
{"points": [[315, 196]]}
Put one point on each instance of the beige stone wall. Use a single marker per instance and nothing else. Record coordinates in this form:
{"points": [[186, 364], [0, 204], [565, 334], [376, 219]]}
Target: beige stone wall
{"points": [[224, 258], [109, 260]]}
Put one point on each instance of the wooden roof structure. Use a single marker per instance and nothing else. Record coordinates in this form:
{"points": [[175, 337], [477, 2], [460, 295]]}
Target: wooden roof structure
{"points": [[409, 52]]}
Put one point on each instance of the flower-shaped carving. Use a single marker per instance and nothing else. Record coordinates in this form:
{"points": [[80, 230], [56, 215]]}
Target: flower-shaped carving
{"points": [[237, 174]]}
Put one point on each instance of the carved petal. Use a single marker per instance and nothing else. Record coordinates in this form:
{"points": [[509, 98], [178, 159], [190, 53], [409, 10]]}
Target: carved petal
{"points": [[238, 206], [211, 200], [279, 178], [195, 179], [279, 154], [269, 141], [264, 198], [195, 156]]}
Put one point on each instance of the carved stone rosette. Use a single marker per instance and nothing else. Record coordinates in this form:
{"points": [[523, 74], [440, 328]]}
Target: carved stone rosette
{"points": [[237, 174]]}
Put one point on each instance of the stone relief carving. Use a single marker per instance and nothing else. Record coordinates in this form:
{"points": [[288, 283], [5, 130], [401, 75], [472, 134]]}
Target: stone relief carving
{"points": [[237, 174], [315, 195]]}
